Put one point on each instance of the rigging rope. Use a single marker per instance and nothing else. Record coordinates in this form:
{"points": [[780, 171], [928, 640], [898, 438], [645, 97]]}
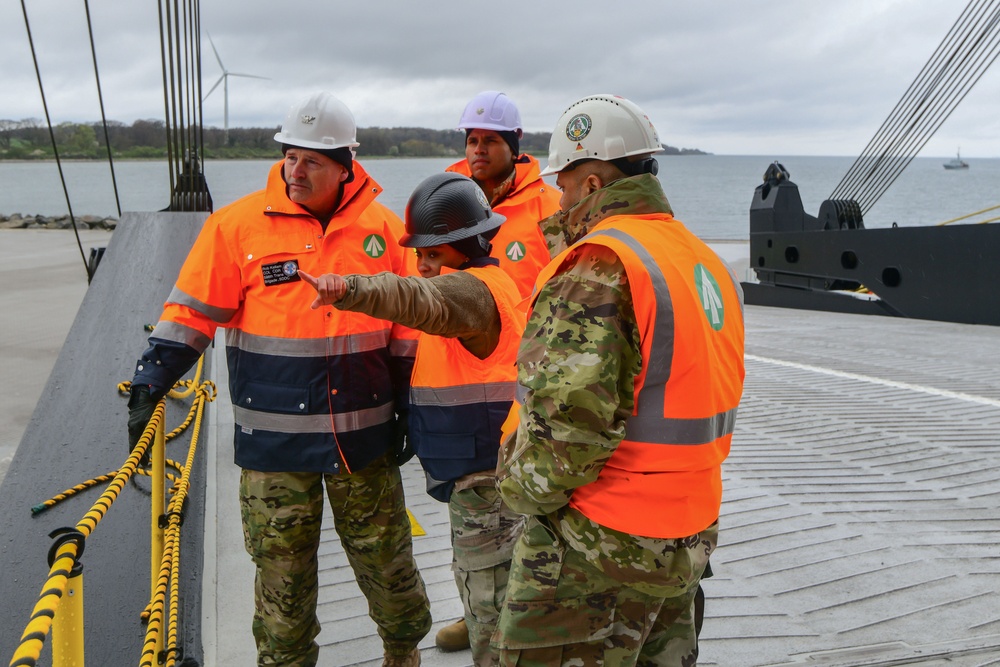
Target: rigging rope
{"points": [[100, 99], [960, 60], [972, 215], [55, 148], [61, 564], [180, 54]]}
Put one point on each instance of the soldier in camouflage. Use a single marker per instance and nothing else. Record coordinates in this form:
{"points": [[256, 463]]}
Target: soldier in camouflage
{"points": [[463, 379], [581, 592]]}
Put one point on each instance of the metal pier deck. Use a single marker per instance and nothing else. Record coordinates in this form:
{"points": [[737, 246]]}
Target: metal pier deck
{"points": [[860, 522]]}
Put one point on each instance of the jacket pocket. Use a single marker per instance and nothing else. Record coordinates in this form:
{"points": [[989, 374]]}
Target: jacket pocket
{"points": [[279, 398]]}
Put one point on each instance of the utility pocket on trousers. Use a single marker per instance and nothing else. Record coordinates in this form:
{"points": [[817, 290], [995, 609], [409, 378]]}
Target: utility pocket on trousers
{"points": [[543, 607], [543, 623]]}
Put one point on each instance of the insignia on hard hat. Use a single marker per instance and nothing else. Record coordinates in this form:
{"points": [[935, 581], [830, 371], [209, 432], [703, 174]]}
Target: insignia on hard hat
{"points": [[578, 127], [480, 111], [307, 119]]}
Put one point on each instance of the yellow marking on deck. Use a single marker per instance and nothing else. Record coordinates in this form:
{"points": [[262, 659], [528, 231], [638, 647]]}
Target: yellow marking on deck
{"points": [[415, 528]]}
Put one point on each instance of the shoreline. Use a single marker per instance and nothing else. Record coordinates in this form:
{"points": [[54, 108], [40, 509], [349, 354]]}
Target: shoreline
{"points": [[62, 221]]}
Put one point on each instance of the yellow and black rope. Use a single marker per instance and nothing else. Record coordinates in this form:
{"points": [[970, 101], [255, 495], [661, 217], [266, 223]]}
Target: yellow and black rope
{"points": [[67, 550], [33, 638]]}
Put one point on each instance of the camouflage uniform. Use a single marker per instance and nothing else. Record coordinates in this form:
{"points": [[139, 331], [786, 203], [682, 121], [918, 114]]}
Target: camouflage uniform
{"points": [[483, 533], [483, 529], [281, 526], [581, 593]]}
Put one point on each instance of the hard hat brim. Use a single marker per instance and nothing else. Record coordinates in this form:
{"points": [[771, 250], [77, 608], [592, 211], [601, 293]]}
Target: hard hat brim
{"points": [[428, 240], [285, 138]]}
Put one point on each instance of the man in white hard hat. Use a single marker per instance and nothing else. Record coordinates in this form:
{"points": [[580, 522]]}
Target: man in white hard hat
{"points": [[319, 399], [631, 372], [511, 182]]}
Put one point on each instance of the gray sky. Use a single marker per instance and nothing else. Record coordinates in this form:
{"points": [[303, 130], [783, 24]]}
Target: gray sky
{"points": [[729, 76]]}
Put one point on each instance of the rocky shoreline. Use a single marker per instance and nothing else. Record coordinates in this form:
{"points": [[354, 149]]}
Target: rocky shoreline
{"points": [[19, 221]]}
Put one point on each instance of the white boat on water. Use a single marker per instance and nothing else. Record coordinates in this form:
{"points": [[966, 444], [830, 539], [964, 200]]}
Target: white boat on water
{"points": [[957, 163]]}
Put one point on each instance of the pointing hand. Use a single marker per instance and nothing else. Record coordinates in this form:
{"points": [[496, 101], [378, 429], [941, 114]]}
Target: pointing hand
{"points": [[329, 287]]}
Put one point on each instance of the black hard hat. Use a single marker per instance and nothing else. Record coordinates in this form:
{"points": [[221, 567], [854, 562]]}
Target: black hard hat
{"points": [[447, 207]]}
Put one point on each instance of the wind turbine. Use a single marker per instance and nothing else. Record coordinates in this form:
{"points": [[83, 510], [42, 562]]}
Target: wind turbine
{"points": [[224, 80]]}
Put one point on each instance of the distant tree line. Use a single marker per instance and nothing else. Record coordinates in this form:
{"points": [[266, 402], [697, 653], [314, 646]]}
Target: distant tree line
{"points": [[29, 139]]}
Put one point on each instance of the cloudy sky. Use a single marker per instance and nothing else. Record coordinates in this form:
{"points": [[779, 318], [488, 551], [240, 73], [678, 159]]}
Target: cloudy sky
{"points": [[726, 76]]}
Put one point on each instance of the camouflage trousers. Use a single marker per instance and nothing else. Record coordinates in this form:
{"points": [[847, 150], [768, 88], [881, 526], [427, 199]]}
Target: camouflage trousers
{"points": [[282, 513], [483, 533], [562, 609]]}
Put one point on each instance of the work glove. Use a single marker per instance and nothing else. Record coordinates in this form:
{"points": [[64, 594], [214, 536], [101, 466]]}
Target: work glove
{"points": [[141, 406], [400, 442]]}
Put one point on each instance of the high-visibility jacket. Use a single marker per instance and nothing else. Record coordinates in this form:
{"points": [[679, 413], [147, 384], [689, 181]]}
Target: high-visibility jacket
{"points": [[664, 480], [312, 390], [458, 401], [519, 244]]}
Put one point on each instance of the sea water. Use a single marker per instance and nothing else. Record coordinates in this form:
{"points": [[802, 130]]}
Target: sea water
{"points": [[710, 193]]}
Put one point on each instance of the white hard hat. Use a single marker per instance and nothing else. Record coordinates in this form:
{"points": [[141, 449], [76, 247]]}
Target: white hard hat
{"points": [[601, 127], [319, 122], [491, 110]]}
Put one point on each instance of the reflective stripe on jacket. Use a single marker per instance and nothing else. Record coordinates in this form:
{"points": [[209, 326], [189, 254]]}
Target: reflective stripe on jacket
{"points": [[520, 245], [664, 480], [458, 401], [311, 389]]}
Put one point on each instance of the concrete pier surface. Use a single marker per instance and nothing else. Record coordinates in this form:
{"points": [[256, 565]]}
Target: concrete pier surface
{"points": [[42, 282]]}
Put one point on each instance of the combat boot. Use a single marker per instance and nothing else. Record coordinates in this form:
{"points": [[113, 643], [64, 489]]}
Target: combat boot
{"points": [[411, 659], [454, 637]]}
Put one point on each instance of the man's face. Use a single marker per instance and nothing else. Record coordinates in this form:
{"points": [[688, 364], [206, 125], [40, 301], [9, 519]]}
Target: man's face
{"points": [[574, 185], [313, 180], [432, 258], [489, 156]]}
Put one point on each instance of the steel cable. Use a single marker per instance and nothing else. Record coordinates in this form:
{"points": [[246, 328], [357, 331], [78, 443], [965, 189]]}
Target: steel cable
{"points": [[876, 147], [180, 54], [52, 137], [938, 109], [960, 60], [100, 99]]}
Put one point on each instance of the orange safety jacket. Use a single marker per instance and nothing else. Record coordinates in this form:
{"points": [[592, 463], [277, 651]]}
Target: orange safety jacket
{"points": [[519, 244], [458, 401], [312, 390], [664, 480]]}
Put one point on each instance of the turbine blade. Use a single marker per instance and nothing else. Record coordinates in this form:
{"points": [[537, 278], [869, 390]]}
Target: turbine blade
{"points": [[213, 87], [248, 76], [215, 51]]}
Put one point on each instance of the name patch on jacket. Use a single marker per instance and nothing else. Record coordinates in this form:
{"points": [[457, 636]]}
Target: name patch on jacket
{"points": [[281, 272]]}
